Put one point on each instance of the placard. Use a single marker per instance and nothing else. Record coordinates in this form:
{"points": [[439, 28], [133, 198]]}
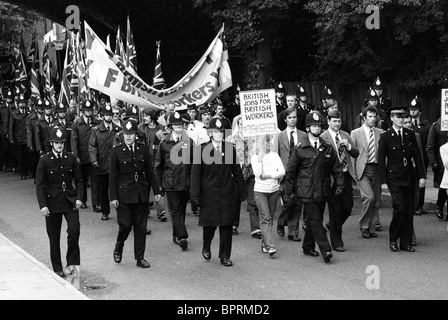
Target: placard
{"points": [[444, 110], [258, 112]]}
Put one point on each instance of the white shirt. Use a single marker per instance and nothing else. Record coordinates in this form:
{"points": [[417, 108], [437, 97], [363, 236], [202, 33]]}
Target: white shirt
{"points": [[271, 165]]}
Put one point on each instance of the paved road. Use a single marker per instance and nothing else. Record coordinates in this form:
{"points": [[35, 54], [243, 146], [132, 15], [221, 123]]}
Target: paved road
{"points": [[177, 275]]}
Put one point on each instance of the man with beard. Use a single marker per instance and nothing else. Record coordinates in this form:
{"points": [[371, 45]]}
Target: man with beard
{"points": [[100, 148], [17, 135], [81, 131], [310, 167], [56, 172]]}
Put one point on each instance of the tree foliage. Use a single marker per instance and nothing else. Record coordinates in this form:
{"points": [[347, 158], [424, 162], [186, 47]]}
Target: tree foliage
{"points": [[410, 49]]}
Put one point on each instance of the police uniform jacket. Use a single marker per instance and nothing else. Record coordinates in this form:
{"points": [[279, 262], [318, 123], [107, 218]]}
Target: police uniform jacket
{"points": [[174, 175], [131, 174], [301, 115], [31, 130], [5, 113], [54, 182], [217, 187], [80, 138], [309, 171], [119, 138], [280, 105], [100, 146], [17, 126], [398, 168]]}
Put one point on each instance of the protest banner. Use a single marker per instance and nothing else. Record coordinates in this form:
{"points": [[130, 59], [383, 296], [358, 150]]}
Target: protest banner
{"points": [[444, 110], [258, 112]]}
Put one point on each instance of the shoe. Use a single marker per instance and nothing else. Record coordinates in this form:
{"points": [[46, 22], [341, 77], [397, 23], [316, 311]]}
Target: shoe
{"points": [[257, 235], [365, 233], [373, 235], [378, 228], [206, 254], [339, 249], [327, 256], [407, 248], [294, 238], [281, 231], [271, 251], [414, 243], [235, 231], [142, 263], [439, 213], [418, 212], [176, 241], [183, 243], [97, 209], [151, 203], [226, 262], [60, 273], [83, 206], [148, 231], [311, 253], [118, 253], [162, 216], [393, 246], [105, 216], [264, 247]]}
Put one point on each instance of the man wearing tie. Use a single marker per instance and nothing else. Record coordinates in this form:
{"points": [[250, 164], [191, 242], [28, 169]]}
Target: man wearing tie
{"points": [[291, 208], [365, 139], [340, 206], [397, 153], [130, 178]]}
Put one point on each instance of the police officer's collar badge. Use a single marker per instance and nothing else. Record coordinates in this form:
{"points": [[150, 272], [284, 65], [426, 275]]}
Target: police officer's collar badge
{"points": [[315, 117], [134, 110], [218, 123], [58, 133], [176, 115], [128, 125]]}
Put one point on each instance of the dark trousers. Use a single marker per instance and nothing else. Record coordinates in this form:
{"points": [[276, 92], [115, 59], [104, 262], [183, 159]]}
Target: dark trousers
{"points": [[441, 199], [21, 155], [177, 202], [290, 214], [403, 203], [315, 230], [34, 161], [225, 240], [339, 209], [88, 173], [5, 151], [133, 215], [103, 187], [54, 224]]}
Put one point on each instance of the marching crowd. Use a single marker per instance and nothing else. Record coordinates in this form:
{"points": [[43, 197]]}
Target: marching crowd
{"points": [[134, 159]]}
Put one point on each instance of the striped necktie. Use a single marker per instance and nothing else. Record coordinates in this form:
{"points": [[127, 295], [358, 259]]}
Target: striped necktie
{"points": [[371, 148], [341, 152]]}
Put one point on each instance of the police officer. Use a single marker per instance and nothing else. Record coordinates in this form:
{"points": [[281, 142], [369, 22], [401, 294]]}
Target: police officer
{"points": [[397, 153], [173, 166], [81, 131], [303, 107], [384, 103], [280, 102], [5, 114], [43, 128], [130, 179], [308, 176], [17, 135], [57, 197], [63, 121], [100, 148], [31, 135]]}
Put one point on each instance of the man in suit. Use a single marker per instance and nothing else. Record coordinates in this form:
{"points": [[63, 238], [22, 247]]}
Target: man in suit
{"points": [[216, 184], [398, 152], [291, 208], [365, 139], [57, 197], [303, 107], [130, 178], [340, 206], [291, 103], [310, 167]]}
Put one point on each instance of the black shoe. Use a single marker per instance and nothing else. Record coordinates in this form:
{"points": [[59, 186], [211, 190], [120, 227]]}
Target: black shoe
{"points": [[118, 253], [281, 231], [439, 213], [97, 209], [142, 263], [183, 243], [60, 273], [257, 235], [83, 206], [418, 212], [414, 243], [105, 216], [311, 253], [235, 231], [162, 216], [226, 262], [327, 256], [148, 231], [206, 254], [151, 203], [407, 248], [294, 238], [393, 246], [373, 235], [365, 233], [339, 249], [378, 228], [176, 241]]}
